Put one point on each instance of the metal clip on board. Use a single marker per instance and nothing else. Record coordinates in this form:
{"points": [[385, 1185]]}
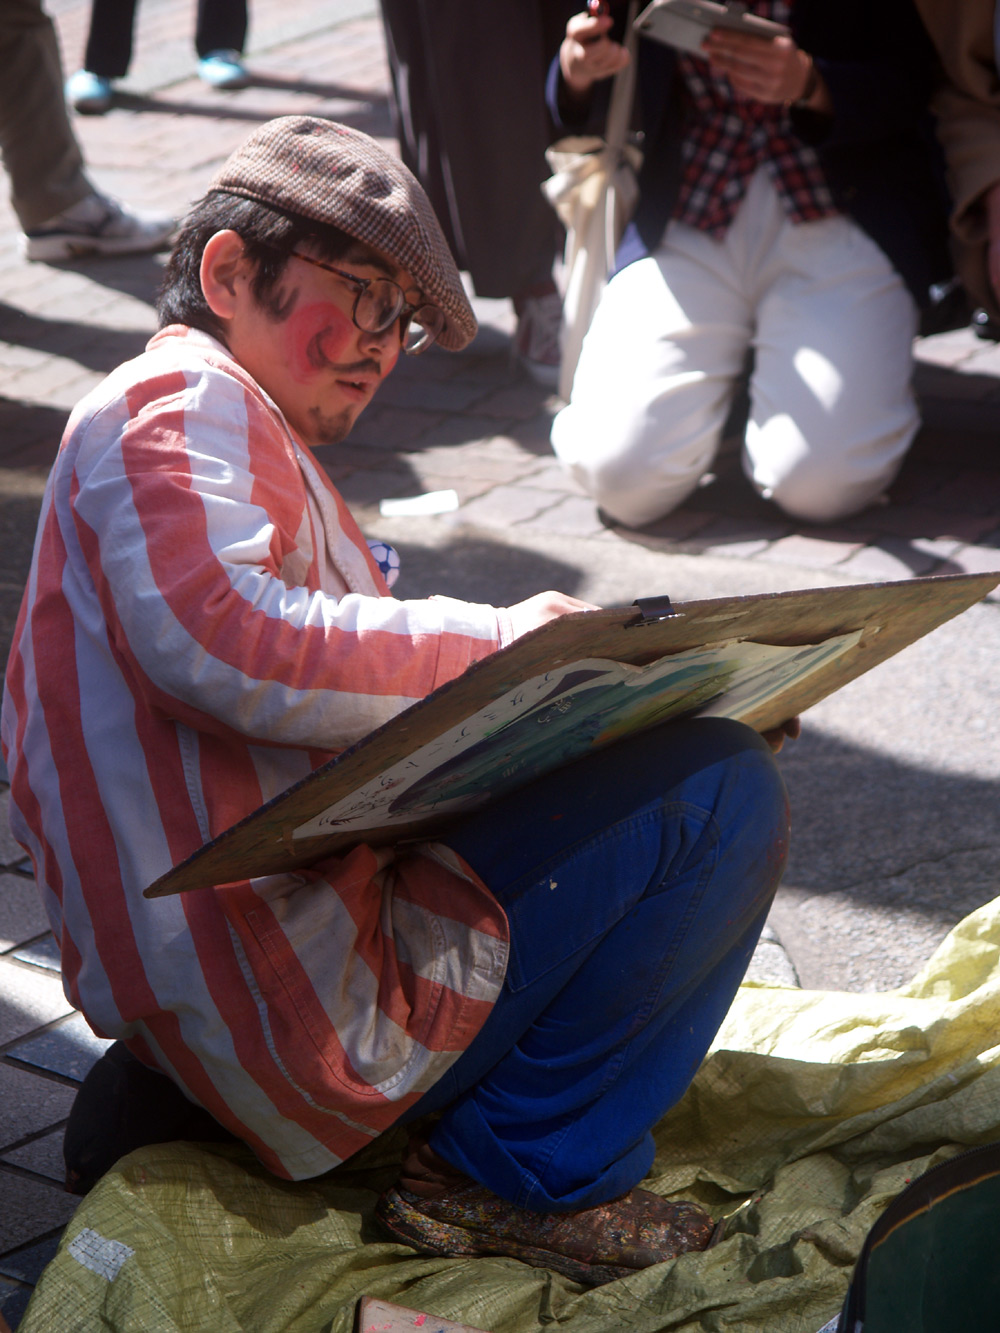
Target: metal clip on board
{"points": [[651, 611]]}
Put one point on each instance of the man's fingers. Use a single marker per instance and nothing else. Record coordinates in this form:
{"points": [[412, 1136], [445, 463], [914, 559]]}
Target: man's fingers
{"points": [[542, 608], [790, 729]]}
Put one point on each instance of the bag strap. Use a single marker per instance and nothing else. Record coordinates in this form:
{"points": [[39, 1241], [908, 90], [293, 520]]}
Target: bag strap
{"points": [[940, 1183], [623, 89]]}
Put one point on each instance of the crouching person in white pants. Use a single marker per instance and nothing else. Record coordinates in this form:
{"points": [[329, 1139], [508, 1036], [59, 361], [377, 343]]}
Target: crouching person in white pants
{"points": [[788, 207]]}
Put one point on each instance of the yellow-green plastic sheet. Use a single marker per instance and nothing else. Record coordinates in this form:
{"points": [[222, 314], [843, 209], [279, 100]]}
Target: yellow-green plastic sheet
{"points": [[811, 1112]]}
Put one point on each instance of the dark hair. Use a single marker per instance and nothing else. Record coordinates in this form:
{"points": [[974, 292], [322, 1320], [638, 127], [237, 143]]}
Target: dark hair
{"points": [[269, 236]]}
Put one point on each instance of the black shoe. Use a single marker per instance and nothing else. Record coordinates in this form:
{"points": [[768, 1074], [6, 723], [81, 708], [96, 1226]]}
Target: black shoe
{"points": [[123, 1105], [985, 326]]}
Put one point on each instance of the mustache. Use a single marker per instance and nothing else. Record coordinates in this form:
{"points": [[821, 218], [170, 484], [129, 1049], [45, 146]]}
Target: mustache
{"points": [[318, 359], [360, 368]]}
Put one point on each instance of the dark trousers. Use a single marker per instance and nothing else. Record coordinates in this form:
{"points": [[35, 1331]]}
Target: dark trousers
{"points": [[636, 883], [221, 25], [40, 153], [468, 97]]}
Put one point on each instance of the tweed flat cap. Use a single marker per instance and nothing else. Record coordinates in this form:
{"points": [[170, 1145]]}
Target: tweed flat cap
{"points": [[330, 173]]}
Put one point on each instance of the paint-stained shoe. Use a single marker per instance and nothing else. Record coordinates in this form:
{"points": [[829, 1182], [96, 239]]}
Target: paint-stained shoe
{"points": [[593, 1246]]}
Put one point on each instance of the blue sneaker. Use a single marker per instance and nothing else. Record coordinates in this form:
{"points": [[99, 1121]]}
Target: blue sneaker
{"points": [[223, 69], [90, 94]]}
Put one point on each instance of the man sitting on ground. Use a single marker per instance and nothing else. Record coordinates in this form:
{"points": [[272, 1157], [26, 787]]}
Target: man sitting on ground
{"points": [[203, 625]]}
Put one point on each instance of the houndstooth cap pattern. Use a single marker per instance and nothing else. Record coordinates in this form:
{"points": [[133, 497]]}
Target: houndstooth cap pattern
{"points": [[331, 173]]}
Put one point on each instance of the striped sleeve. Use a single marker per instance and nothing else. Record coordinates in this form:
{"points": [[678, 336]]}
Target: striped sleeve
{"points": [[189, 516]]}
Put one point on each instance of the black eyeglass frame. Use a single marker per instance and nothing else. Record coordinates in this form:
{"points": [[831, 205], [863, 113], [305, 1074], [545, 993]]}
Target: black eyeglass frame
{"points": [[405, 312]]}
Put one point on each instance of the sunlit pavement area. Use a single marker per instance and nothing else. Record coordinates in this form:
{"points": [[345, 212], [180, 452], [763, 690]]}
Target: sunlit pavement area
{"points": [[894, 783]]}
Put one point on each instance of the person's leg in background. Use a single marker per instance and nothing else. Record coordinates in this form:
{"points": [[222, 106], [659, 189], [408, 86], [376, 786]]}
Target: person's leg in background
{"points": [[220, 36], [469, 109], [832, 408], [108, 52], [636, 882], [106, 57], [40, 153], [62, 216], [656, 378]]}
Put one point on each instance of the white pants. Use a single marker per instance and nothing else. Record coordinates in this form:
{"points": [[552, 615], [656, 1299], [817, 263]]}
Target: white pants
{"points": [[831, 325]]}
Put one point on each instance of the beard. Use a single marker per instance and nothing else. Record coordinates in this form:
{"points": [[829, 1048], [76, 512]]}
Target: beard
{"points": [[331, 428]]}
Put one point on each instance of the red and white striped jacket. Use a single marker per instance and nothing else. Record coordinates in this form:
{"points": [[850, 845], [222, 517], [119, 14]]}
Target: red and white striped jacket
{"points": [[203, 625]]}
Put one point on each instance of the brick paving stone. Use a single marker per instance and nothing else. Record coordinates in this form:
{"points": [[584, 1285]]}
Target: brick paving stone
{"points": [[946, 349], [551, 475], [21, 914], [506, 505], [368, 487], [738, 539], [25, 1263], [14, 1299], [395, 428], [984, 360], [9, 849], [978, 559], [969, 381], [921, 483], [941, 549], [572, 516], [14, 356], [521, 400], [913, 521], [511, 447], [28, 999], [890, 558], [432, 395], [973, 491], [41, 952], [530, 437], [680, 526], [369, 458], [465, 428], [467, 488], [474, 459], [31, 446], [42, 1156], [58, 382], [28, 1208], [66, 1050], [811, 552], [967, 430], [31, 1103]]}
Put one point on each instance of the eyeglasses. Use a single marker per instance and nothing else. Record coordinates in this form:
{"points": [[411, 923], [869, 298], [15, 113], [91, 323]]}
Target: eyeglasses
{"points": [[379, 302]]}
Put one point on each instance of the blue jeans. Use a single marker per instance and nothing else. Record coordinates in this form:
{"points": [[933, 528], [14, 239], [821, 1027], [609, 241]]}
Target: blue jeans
{"points": [[636, 882]]}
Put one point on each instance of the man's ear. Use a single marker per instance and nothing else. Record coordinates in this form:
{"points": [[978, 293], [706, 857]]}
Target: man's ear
{"points": [[225, 268]]}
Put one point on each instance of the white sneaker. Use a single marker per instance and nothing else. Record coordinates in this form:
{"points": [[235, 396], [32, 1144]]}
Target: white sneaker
{"points": [[536, 341], [97, 225], [90, 94]]}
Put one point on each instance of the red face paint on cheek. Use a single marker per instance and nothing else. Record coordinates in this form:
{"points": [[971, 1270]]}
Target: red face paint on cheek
{"points": [[316, 338]]}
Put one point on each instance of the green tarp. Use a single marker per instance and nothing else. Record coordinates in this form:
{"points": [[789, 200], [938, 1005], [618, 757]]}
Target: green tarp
{"points": [[811, 1112]]}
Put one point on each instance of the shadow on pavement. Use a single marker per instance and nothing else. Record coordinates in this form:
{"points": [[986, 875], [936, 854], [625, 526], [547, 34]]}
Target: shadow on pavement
{"points": [[97, 348], [29, 438], [372, 115], [476, 569], [885, 858]]}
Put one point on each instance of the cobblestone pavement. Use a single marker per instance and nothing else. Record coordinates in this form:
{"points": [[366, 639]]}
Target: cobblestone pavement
{"points": [[470, 422]]}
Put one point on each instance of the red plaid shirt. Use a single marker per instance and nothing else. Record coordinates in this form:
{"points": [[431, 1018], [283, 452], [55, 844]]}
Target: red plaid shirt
{"points": [[730, 137]]}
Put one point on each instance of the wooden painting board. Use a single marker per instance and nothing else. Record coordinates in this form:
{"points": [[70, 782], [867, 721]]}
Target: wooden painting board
{"points": [[889, 615], [378, 1316]]}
